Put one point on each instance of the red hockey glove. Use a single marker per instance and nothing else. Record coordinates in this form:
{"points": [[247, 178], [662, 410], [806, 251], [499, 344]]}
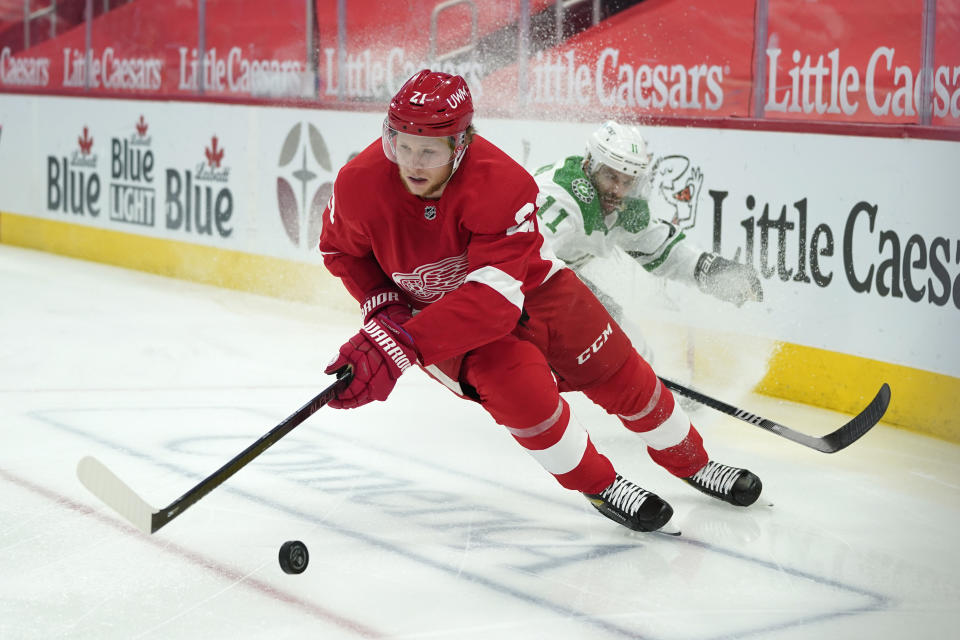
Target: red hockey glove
{"points": [[388, 300], [378, 354]]}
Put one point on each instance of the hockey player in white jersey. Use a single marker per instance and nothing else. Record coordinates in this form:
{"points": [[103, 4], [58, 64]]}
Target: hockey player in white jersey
{"points": [[594, 205]]}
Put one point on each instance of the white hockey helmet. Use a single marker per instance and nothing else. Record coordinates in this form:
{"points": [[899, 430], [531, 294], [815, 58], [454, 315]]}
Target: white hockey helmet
{"points": [[620, 147]]}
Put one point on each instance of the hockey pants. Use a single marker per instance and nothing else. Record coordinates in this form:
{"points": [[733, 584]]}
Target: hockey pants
{"points": [[570, 343]]}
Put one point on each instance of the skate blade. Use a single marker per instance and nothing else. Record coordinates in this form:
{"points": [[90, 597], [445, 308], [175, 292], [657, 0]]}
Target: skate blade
{"points": [[669, 529]]}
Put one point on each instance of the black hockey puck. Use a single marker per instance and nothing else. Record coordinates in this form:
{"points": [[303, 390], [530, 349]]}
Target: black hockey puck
{"points": [[293, 556]]}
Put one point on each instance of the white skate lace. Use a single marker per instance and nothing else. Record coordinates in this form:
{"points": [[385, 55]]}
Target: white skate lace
{"points": [[625, 496], [717, 477]]}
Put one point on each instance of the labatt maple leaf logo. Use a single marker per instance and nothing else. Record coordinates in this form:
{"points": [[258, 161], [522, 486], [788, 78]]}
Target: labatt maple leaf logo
{"points": [[86, 142], [214, 155], [142, 127]]}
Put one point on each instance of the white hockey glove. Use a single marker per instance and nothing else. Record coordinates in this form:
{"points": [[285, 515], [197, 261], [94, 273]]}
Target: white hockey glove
{"points": [[727, 280]]}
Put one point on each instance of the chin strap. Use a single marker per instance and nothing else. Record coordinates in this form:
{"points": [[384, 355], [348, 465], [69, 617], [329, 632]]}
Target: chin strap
{"points": [[459, 150]]}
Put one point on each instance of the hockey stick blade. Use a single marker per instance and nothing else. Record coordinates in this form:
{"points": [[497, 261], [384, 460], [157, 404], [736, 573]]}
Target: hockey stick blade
{"points": [[830, 443], [117, 495]]}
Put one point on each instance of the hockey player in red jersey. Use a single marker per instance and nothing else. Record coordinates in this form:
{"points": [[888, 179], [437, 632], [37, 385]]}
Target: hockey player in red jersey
{"points": [[434, 231]]}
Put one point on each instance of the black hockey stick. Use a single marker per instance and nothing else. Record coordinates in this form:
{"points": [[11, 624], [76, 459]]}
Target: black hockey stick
{"points": [[115, 493], [830, 443]]}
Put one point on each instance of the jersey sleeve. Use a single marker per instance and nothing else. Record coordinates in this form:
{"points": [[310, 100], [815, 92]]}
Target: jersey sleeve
{"points": [[561, 223], [503, 245], [573, 233], [662, 249], [347, 251]]}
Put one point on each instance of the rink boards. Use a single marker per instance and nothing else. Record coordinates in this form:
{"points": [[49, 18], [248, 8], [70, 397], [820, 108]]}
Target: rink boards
{"points": [[855, 237]]}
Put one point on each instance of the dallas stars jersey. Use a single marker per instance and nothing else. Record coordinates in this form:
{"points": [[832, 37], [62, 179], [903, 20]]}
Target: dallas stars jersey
{"points": [[577, 229]]}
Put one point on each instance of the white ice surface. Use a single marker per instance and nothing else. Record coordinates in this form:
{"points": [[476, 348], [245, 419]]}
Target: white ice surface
{"points": [[422, 517]]}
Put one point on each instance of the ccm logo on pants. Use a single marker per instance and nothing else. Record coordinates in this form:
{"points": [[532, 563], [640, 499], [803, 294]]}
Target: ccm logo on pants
{"points": [[596, 346]]}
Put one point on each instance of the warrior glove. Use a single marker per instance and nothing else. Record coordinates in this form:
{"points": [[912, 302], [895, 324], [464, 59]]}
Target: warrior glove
{"points": [[386, 299], [727, 280], [378, 353]]}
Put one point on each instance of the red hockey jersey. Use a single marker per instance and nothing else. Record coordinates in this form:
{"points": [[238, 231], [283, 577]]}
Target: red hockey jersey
{"points": [[466, 260]]}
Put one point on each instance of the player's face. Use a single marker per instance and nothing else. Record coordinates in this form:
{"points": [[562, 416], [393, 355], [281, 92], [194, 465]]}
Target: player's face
{"points": [[612, 186], [425, 164]]}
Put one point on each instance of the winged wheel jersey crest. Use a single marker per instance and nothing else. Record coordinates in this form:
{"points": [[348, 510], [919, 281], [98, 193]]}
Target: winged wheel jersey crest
{"points": [[430, 282]]}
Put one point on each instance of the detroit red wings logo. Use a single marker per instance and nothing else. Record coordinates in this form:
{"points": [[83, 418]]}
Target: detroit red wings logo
{"points": [[430, 282]]}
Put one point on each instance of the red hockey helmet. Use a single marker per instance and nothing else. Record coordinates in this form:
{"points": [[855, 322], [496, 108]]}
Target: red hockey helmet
{"points": [[432, 103]]}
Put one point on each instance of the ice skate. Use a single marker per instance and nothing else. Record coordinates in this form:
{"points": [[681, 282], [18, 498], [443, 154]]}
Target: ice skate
{"points": [[631, 506], [731, 484]]}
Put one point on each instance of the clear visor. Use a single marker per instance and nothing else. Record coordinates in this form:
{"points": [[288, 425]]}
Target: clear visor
{"points": [[613, 186], [420, 152]]}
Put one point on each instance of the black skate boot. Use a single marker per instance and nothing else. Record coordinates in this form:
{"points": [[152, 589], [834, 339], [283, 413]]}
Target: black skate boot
{"points": [[631, 506], [731, 484]]}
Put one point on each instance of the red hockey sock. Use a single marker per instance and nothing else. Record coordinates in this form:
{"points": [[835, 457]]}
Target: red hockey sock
{"points": [[517, 388], [636, 396]]}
